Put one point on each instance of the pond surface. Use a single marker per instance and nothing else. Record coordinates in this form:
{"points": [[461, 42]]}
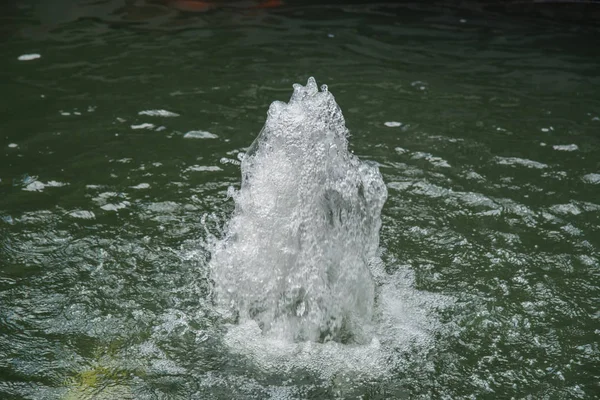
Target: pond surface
{"points": [[120, 133]]}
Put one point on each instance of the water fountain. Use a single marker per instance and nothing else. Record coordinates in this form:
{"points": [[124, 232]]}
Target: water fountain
{"points": [[297, 273], [296, 254]]}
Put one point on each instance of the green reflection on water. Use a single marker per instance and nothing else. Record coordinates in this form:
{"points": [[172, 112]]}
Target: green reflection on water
{"points": [[490, 203]]}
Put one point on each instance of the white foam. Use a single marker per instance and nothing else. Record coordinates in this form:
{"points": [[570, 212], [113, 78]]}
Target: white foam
{"points": [[165, 207], [594, 179], [199, 135], [158, 113], [82, 214], [475, 176], [29, 57], [572, 230], [115, 207], [520, 161], [56, 184], [225, 160], [276, 354], [13, 145], [103, 198], [566, 209], [141, 186], [392, 124], [565, 147], [37, 186], [403, 323], [143, 126], [203, 168]]}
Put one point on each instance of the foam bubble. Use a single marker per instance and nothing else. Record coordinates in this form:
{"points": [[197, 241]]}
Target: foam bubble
{"points": [[158, 113], [591, 178], [115, 206], [141, 186], [29, 57], [199, 135], [565, 147], [520, 161], [143, 126], [392, 124], [402, 324], [82, 214], [37, 186], [202, 168]]}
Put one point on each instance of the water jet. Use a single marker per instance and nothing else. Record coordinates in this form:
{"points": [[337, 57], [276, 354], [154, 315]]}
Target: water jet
{"points": [[296, 253]]}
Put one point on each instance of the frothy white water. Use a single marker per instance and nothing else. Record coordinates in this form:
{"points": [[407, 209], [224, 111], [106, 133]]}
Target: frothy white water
{"points": [[295, 269], [306, 225]]}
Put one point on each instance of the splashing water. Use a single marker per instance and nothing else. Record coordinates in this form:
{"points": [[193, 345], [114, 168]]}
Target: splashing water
{"points": [[306, 225], [295, 269]]}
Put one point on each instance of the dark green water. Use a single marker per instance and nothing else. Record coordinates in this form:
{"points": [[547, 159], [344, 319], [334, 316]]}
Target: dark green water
{"points": [[493, 179]]}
